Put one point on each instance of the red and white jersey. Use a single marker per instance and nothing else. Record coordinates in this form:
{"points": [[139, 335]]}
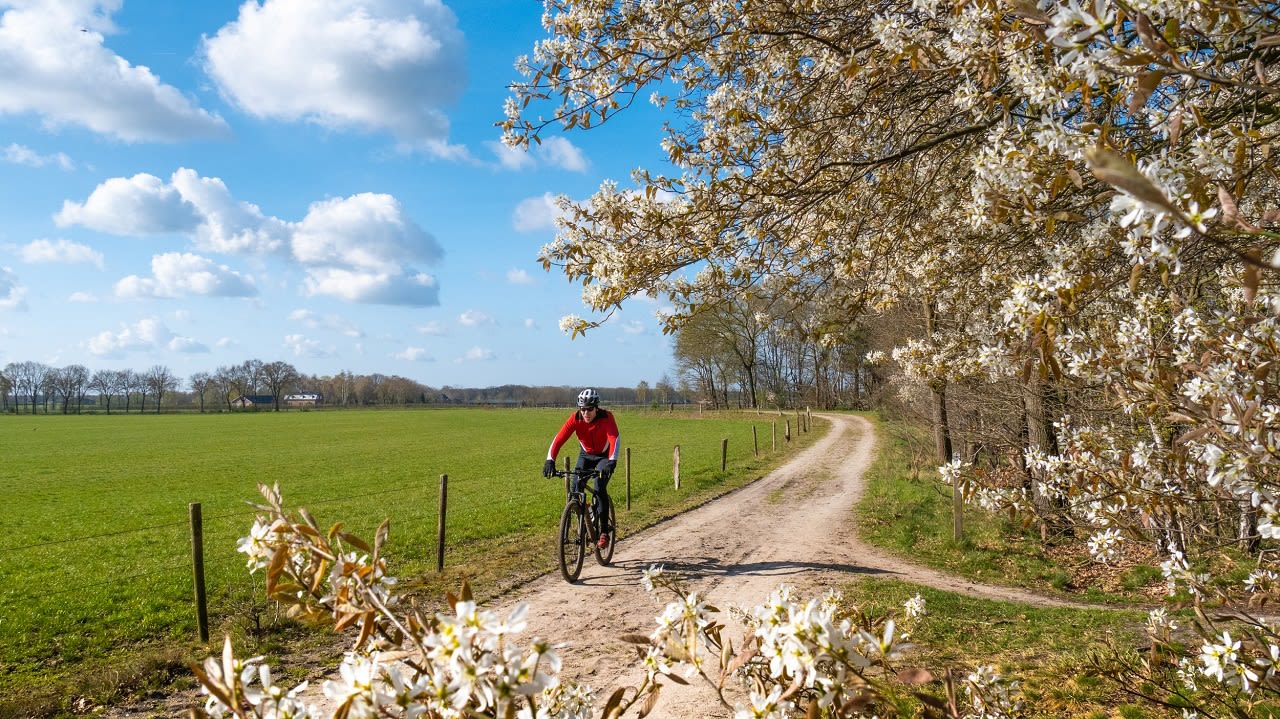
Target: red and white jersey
{"points": [[598, 437]]}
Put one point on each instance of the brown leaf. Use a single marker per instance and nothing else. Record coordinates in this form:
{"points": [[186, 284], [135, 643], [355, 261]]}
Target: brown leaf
{"points": [[1115, 170], [1147, 33], [356, 541], [650, 701], [1230, 213], [676, 678], [611, 707], [1075, 178], [1147, 84], [1251, 275]]}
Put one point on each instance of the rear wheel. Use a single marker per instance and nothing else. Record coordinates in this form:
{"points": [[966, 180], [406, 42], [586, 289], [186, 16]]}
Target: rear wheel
{"points": [[604, 556], [572, 547]]}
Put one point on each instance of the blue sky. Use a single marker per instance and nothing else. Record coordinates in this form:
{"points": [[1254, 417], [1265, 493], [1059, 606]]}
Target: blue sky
{"points": [[313, 181]]}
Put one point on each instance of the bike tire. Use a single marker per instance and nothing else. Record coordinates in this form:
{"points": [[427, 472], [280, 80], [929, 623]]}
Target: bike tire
{"points": [[572, 542], [604, 556]]}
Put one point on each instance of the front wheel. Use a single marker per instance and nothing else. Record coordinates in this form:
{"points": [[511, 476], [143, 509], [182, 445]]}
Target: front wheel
{"points": [[572, 542], [604, 556]]}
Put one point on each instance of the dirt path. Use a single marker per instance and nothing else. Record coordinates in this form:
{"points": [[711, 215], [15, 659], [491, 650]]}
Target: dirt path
{"points": [[795, 526]]}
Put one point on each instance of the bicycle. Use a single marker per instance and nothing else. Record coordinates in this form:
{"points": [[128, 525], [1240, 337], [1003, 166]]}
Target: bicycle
{"points": [[578, 525]]}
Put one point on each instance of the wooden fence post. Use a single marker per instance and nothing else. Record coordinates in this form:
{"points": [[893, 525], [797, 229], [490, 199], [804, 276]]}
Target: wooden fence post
{"points": [[724, 453], [197, 566], [775, 436], [755, 440], [628, 479], [675, 460], [787, 435], [444, 504]]}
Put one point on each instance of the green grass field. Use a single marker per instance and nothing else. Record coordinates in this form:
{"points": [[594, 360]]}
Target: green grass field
{"points": [[95, 552]]}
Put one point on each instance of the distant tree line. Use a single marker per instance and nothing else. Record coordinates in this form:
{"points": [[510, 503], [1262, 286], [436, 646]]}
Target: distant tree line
{"points": [[33, 387]]}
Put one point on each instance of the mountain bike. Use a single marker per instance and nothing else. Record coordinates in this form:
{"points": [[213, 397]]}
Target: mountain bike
{"points": [[578, 525]]}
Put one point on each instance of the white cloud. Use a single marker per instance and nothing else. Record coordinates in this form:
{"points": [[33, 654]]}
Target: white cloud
{"points": [[412, 290], [634, 327], [385, 65], [21, 155], [536, 213], [60, 252], [529, 323], [12, 296], [81, 297], [431, 328], [519, 277], [511, 158], [414, 354], [365, 232], [327, 322], [147, 335], [559, 152], [303, 347], [227, 225], [476, 354], [552, 151], [474, 318], [176, 274], [359, 248], [53, 63], [186, 345], [227, 342], [139, 205]]}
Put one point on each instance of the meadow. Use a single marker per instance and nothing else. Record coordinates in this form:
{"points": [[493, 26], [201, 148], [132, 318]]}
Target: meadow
{"points": [[95, 548]]}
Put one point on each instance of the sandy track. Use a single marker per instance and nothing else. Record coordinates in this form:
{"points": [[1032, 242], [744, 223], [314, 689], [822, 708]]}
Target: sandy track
{"points": [[795, 526]]}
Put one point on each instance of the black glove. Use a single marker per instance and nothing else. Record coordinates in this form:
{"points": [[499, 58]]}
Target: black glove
{"points": [[606, 467], [548, 468]]}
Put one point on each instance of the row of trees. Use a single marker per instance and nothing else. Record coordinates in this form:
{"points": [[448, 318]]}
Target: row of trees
{"points": [[35, 387], [1061, 216]]}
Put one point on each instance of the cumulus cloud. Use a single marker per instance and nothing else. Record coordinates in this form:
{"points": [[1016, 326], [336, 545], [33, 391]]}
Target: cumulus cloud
{"points": [[366, 231], [179, 274], [145, 336], [326, 322], [186, 345], [414, 354], [519, 277], [536, 213], [382, 65], [59, 252], [12, 295], [529, 323], [303, 347], [53, 63], [477, 354], [431, 328], [633, 327], [551, 152], [21, 155], [474, 318], [139, 205], [81, 297], [360, 248], [379, 288], [559, 152]]}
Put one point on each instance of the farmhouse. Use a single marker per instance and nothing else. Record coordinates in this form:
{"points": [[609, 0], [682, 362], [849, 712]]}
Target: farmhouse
{"points": [[245, 401], [309, 399]]}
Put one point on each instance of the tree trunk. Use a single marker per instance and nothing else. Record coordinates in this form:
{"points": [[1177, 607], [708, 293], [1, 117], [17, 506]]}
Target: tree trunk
{"points": [[1040, 436]]}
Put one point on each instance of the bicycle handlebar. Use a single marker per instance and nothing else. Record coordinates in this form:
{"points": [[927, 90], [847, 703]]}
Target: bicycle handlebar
{"points": [[582, 473]]}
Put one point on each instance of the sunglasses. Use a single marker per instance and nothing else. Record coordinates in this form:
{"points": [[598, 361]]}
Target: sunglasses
{"points": [[589, 409]]}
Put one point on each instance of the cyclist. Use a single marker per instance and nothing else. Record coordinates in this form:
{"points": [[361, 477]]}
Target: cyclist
{"points": [[598, 436]]}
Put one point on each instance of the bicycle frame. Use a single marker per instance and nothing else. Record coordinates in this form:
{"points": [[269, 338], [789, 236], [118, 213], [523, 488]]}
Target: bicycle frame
{"points": [[578, 523]]}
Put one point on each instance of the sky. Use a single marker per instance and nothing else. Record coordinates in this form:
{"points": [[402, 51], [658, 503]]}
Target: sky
{"points": [[320, 182]]}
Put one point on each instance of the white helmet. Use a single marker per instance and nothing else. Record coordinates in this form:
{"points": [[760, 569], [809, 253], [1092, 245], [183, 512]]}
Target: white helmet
{"points": [[588, 398]]}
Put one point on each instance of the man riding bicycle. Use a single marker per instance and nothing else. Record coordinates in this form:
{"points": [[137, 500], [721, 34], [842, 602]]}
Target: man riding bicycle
{"points": [[598, 436]]}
